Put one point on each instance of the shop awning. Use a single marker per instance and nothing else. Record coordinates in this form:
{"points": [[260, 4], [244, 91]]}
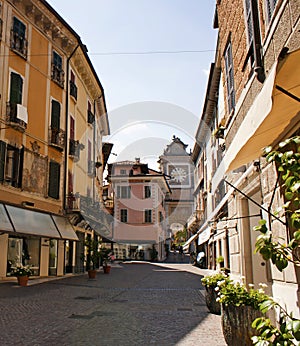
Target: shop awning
{"points": [[64, 227], [24, 221], [271, 116], [188, 242], [32, 222], [5, 224], [204, 236]]}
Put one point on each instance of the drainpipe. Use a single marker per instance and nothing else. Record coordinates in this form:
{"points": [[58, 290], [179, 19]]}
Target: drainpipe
{"points": [[257, 47], [66, 129]]}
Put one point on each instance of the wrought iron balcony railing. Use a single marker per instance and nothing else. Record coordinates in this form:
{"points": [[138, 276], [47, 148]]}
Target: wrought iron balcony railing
{"points": [[57, 138], [18, 44], [57, 75], [12, 117]]}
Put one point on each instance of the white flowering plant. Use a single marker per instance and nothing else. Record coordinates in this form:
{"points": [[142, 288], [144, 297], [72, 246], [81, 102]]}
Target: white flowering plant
{"points": [[21, 270], [236, 293], [212, 280]]}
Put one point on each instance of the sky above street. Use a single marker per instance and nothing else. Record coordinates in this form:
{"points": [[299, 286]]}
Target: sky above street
{"points": [[152, 58]]}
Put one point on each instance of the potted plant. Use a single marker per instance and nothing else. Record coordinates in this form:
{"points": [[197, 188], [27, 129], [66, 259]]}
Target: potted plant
{"points": [[106, 257], [22, 273], [92, 256], [239, 306], [210, 282]]}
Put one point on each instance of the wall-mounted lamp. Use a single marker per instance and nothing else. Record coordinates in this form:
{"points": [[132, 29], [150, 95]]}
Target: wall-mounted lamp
{"points": [[27, 204]]}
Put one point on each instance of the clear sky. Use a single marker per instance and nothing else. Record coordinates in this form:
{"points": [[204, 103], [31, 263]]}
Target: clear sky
{"points": [[150, 96]]}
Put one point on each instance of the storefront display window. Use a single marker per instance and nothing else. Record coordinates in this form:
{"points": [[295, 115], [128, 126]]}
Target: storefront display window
{"points": [[25, 251]]}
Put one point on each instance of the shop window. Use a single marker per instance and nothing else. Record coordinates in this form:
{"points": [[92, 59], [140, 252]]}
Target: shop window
{"points": [[53, 257], [54, 180], [25, 251]]}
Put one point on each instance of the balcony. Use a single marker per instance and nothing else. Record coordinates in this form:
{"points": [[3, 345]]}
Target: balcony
{"points": [[57, 75], [74, 149], [73, 202], [57, 138], [18, 44], [90, 117], [73, 90], [16, 116]]}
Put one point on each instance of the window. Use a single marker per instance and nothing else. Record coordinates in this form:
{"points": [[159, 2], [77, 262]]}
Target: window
{"points": [[56, 134], [270, 7], [249, 24], [229, 77], [91, 166], [73, 87], [90, 115], [18, 42], [11, 164], [161, 217], [123, 192], [148, 215], [123, 171], [147, 191], [54, 180], [124, 215], [57, 70]]}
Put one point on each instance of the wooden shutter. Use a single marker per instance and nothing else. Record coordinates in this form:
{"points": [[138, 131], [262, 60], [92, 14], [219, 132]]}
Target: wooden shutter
{"points": [[16, 87], [72, 128], [55, 115], [2, 159], [54, 180]]}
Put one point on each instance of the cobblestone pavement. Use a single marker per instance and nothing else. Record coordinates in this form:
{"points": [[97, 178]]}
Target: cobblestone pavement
{"points": [[136, 304]]}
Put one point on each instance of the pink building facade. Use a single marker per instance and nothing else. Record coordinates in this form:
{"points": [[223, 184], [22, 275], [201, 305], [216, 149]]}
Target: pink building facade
{"points": [[139, 230]]}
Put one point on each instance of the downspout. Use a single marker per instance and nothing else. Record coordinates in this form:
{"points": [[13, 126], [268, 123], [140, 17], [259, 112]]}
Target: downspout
{"points": [[66, 129], [257, 47]]}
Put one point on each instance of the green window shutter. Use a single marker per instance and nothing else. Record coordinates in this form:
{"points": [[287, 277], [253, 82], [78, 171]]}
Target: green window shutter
{"points": [[16, 87], [55, 115], [2, 159], [54, 180]]}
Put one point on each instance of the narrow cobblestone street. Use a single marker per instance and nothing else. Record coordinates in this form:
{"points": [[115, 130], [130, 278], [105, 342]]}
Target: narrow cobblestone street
{"points": [[137, 303]]}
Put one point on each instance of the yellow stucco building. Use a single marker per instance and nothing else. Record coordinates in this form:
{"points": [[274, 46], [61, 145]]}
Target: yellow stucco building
{"points": [[53, 117]]}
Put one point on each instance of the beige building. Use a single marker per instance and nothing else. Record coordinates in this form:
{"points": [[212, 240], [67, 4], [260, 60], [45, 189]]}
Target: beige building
{"points": [[257, 65], [53, 117]]}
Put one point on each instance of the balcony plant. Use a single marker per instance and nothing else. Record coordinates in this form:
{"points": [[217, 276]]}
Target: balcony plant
{"points": [[107, 257], [92, 255]]}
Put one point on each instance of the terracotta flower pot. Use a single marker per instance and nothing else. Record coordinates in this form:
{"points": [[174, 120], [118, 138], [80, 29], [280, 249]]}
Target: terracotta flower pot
{"points": [[210, 298], [236, 324], [92, 273], [22, 280], [106, 269]]}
